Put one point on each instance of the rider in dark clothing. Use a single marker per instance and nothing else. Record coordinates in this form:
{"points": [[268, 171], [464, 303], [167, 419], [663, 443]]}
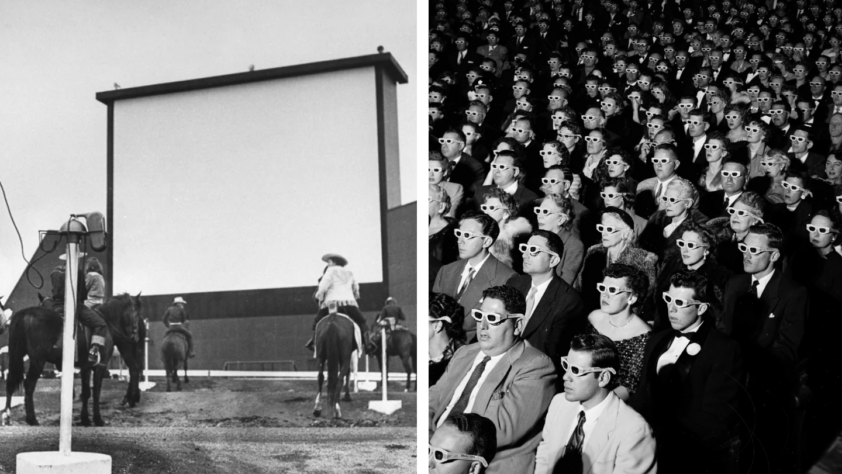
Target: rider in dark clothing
{"points": [[391, 313], [175, 318], [84, 314]]}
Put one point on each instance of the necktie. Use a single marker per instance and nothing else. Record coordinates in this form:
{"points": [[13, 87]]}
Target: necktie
{"points": [[754, 288], [462, 403], [658, 191], [530, 302], [577, 439], [468, 280]]}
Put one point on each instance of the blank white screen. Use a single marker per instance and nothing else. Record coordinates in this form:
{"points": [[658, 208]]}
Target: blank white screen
{"points": [[247, 186]]}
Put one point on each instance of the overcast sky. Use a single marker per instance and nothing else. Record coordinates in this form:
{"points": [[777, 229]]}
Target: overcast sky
{"points": [[56, 55]]}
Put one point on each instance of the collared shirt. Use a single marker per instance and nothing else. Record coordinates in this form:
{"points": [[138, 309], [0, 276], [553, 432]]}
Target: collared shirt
{"points": [[733, 199], [539, 293], [591, 164], [678, 345], [468, 270], [670, 228], [591, 417], [662, 185], [762, 282], [489, 366], [698, 144], [512, 188]]}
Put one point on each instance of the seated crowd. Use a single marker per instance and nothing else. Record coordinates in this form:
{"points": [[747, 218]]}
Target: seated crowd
{"points": [[635, 235]]}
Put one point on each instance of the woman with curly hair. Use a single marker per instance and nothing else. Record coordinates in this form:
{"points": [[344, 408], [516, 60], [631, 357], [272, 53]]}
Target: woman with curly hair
{"points": [[716, 153], [623, 290], [446, 333], [555, 214], [617, 192], [666, 225]]}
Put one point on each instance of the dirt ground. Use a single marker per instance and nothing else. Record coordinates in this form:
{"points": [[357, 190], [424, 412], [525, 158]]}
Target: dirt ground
{"points": [[226, 426]]}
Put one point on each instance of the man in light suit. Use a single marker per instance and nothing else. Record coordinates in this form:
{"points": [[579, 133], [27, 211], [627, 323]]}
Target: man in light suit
{"points": [[554, 310], [502, 378], [613, 438], [691, 383], [476, 269], [497, 52]]}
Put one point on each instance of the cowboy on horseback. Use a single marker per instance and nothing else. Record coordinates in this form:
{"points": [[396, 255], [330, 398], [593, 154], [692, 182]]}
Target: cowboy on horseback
{"points": [[84, 314], [175, 318], [391, 315], [337, 285]]}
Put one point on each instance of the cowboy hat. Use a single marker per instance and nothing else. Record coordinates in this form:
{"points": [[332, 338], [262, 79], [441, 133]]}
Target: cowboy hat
{"points": [[78, 255], [179, 299], [338, 259]]}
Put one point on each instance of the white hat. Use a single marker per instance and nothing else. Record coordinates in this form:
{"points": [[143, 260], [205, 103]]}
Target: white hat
{"points": [[179, 299], [78, 254]]}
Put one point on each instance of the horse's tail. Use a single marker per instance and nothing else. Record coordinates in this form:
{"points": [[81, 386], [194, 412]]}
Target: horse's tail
{"points": [[17, 351], [414, 353], [331, 349]]}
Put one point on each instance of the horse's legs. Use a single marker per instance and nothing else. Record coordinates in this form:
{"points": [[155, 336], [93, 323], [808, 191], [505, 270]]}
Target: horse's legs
{"points": [[35, 368], [344, 373], [407, 366], [99, 374], [347, 379], [317, 409], [128, 353], [186, 357], [85, 375]]}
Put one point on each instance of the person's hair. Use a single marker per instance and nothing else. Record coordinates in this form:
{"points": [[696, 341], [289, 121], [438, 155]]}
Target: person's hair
{"points": [[604, 354], [739, 109], [669, 97], [564, 204], [689, 191], [511, 142], [779, 155], [754, 201], [508, 201], [446, 167], [93, 266], [489, 226], [574, 128], [481, 430], [636, 281], [619, 101], [694, 280], [561, 149], [801, 175], [442, 305], [554, 242], [517, 162], [721, 138], [459, 134], [623, 186], [513, 300], [774, 236], [669, 148], [439, 194], [704, 232], [835, 224], [764, 127]]}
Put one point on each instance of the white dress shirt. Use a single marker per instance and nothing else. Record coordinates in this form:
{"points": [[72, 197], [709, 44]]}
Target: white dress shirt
{"points": [[762, 282], [678, 345], [591, 417], [539, 293]]}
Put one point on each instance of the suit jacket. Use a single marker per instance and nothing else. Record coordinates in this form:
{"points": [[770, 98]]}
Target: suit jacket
{"points": [[692, 404], [469, 173], [814, 164], [514, 396], [558, 317], [621, 441], [500, 55], [771, 330], [524, 196], [492, 273], [572, 257]]}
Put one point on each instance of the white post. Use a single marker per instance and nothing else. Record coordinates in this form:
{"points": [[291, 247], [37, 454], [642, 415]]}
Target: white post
{"points": [[146, 384], [383, 360], [384, 406], [69, 345]]}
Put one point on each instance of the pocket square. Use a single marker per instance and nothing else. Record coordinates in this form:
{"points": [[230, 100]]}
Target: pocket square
{"points": [[771, 316], [497, 395]]}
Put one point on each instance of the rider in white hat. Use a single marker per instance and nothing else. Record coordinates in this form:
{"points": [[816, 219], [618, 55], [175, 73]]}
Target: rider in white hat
{"points": [[338, 286], [175, 318]]}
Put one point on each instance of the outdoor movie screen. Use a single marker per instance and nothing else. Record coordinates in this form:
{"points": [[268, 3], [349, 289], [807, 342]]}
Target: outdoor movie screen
{"points": [[247, 186]]}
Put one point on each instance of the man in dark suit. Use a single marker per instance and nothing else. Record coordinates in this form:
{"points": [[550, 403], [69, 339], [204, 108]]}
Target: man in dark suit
{"points": [[554, 310], [502, 378], [507, 171], [523, 44], [476, 269], [466, 171], [734, 178], [801, 157], [463, 58], [691, 383], [765, 312]]}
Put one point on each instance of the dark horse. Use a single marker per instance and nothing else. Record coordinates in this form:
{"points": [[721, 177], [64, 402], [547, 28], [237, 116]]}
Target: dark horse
{"points": [[399, 342], [334, 345], [173, 355], [37, 332]]}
